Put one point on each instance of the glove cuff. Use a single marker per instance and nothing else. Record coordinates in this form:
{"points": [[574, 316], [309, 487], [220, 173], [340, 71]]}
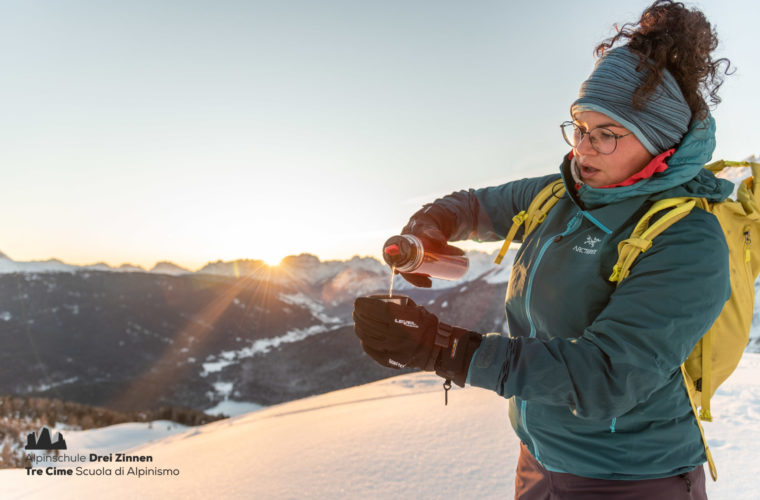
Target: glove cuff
{"points": [[453, 362]]}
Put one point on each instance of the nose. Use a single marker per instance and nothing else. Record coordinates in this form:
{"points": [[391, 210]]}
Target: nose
{"points": [[584, 146]]}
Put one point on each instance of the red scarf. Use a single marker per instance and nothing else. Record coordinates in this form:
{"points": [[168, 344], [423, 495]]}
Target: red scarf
{"points": [[656, 165]]}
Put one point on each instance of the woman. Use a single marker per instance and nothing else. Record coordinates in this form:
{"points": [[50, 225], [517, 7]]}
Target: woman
{"points": [[592, 368]]}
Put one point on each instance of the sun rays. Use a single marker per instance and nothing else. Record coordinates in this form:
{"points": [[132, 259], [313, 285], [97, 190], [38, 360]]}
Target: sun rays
{"points": [[254, 286]]}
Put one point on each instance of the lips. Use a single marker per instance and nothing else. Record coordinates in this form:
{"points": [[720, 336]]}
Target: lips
{"points": [[588, 170]]}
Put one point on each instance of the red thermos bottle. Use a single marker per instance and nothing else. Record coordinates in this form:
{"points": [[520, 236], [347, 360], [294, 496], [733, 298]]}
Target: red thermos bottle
{"points": [[407, 254]]}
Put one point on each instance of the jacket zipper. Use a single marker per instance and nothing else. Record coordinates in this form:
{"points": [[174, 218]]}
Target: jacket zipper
{"points": [[571, 226]]}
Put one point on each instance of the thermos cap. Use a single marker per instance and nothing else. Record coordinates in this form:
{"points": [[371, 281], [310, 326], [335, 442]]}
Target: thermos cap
{"points": [[404, 252]]}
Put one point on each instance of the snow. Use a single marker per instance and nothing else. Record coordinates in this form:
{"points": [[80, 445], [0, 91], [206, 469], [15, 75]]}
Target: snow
{"points": [[121, 437], [366, 264], [115, 438], [265, 345], [309, 268], [261, 346], [734, 434], [8, 265], [389, 439], [315, 308], [355, 281], [351, 278], [50, 266], [480, 263], [46, 387], [736, 175], [169, 268], [214, 366], [224, 388], [233, 408], [498, 275]]}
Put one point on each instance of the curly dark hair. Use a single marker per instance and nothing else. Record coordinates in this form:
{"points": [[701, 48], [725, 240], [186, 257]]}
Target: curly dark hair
{"points": [[670, 36]]}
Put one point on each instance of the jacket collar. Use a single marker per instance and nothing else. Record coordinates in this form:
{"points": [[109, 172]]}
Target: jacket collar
{"points": [[608, 217], [684, 165]]}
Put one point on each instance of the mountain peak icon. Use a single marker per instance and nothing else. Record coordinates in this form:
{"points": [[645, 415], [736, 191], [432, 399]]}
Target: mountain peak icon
{"points": [[42, 441]]}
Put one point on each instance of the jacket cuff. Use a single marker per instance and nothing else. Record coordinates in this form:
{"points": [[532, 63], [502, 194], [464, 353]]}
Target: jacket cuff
{"points": [[489, 365], [454, 362]]}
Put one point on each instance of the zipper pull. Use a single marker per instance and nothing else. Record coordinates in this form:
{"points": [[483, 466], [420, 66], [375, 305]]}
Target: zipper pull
{"points": [[747, 242], [446, 387]]}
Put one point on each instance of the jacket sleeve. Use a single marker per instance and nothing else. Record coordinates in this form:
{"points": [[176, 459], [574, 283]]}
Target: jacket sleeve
{"points": [[635, 345], [486, 214]]}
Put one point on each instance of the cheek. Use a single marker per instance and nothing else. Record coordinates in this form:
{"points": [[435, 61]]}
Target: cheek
{"points": [[636, 161]]}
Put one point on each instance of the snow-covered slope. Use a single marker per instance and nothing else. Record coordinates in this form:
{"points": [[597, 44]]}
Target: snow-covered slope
{"points": [[8, 265], [170, 268], [121, 437], [388, 439]]}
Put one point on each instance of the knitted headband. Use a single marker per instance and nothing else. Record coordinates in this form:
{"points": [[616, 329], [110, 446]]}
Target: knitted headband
{"points": [[609, 90]]}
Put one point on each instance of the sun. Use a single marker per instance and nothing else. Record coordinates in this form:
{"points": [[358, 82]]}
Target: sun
{"points": [[271, 256], [271, 261]]}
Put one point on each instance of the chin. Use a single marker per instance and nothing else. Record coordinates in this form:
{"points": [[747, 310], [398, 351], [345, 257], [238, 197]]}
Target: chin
{"points": [[596, 184]]}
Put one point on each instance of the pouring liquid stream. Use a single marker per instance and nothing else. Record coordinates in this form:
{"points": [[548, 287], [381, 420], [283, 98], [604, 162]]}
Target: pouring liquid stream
{"points": [[393, 273]]}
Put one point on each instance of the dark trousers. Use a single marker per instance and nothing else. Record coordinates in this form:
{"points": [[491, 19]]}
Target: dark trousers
{"points": [[534, 482]]}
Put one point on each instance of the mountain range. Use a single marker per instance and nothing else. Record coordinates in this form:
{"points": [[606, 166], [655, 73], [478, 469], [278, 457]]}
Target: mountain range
{"points": [[240, 330], [237, 330]]}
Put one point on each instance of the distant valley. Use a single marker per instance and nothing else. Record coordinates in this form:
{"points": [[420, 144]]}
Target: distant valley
{"points": [[134, 340]]}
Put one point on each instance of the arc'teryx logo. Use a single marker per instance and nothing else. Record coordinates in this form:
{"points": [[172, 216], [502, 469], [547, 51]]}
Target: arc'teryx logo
{"points": [[406, 322], [589, 247], [591, 241]]}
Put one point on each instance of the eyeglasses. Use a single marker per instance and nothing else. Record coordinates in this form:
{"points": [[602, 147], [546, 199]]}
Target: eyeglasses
{"points": [[603, 140]]}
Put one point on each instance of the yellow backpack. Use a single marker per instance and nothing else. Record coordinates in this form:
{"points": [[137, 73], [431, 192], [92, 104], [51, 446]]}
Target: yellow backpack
{"points": [[718, 352]]}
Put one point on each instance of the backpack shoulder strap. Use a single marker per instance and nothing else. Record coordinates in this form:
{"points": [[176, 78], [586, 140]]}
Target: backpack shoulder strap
{"points": [[641, 241], [643, 234], [535, 215]]}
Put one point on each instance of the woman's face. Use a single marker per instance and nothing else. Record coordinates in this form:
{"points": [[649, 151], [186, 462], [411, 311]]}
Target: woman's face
{"points": [[599, 170]]}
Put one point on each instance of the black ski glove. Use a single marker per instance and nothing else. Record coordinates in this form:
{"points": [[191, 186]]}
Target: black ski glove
{"points": [[433, 225], [408, 336]]}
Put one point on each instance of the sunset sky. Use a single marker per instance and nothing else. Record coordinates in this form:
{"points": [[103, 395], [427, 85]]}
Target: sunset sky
{"points": [[194, 131]]}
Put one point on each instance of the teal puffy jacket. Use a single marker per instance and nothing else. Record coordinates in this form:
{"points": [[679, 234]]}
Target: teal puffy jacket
{"points": [[593, 369]]}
